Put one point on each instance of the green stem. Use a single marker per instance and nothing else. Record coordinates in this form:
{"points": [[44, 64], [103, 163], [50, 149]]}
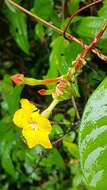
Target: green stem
{"points": [[48, 111], [32, 81]]}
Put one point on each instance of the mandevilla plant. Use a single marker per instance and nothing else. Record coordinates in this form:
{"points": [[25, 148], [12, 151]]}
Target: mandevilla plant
{"points": [[61, 83]]}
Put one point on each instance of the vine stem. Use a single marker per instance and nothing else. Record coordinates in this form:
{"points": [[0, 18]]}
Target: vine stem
{"points": [[75, 107], [78, 11], [73, 127], [91, 45], [58, 30], [79, 61], [54, 28]]}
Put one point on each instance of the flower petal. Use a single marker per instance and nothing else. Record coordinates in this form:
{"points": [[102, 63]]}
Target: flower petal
{"points": [[20, 118], [27, 106], [34, 138], [35, 127], [43, 123]]}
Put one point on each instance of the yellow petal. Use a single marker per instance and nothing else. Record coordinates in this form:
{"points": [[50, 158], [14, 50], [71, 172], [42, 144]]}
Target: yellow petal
{"points": [[20, 118], [34, 138], [26, 105], [35, 127], [43, 123]]}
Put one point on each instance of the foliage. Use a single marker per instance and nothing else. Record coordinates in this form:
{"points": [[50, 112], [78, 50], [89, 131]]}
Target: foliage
{"points": [[35, 50], [93, 147], [18, 27]]}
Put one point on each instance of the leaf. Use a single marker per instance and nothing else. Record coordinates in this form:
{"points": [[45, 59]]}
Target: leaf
{"points": [[40, 8], [103, 11], [63, 53], [95, 76], [61, 57], [7, 163], [72, 113], [89, 26], [18, 26], [4, 127], [58, 54], [6, 85], [73, 5], [13, 103], [39, 31], [54, 159], [56, 131], [59, 117], [71, 52], [93, 139], [6, 146], [11, 95], [71, 147]]}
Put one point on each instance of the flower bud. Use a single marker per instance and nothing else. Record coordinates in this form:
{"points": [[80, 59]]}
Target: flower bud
{"points": [[17, 78]]}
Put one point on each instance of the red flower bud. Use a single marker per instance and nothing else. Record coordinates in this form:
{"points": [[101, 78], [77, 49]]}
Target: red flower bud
{"points": [[17, 78], [42, 91]]}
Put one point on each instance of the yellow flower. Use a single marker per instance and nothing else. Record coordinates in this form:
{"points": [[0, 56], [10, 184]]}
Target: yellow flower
{"points": [[35, 127]]}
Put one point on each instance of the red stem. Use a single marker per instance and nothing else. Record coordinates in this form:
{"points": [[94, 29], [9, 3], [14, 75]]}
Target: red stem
{"points": [[78, 11], [80, 59]]}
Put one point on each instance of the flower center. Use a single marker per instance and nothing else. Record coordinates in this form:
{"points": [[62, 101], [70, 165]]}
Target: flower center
{"points": [[34, 125]]}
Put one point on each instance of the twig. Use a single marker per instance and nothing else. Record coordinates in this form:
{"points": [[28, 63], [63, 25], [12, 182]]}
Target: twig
{"points": [[92, 44], [75, 106], [74, 162], [76, 124], [78, 11], [54, 28], [58, 30], [79, 62]]}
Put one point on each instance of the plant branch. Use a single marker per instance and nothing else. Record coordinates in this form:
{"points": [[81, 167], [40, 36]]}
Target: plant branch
{"points": [[44, 22], [79, 62], [78, 11], [75, 107], [92, 44], [58, 30], [73, 127]]}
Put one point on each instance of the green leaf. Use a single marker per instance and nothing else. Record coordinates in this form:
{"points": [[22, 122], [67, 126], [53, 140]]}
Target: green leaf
{"points": [[63, 53], [6, 85], [54, 159], [52, 73], [6, 147], [61, 57], [71, 147], [43, 8], [93, 139], [56, 131], [4, 127], [58, 54], [11, 95], [103, 11], [7, 163], [13, 103], [39, 31], [95, 76], [73, 5], [72, 113], [89, 26], [18, 26], [59, 117], [71, 52]]}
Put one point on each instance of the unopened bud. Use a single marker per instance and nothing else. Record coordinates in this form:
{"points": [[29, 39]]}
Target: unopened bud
{"points": [[42, 91], [17, 78]]}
